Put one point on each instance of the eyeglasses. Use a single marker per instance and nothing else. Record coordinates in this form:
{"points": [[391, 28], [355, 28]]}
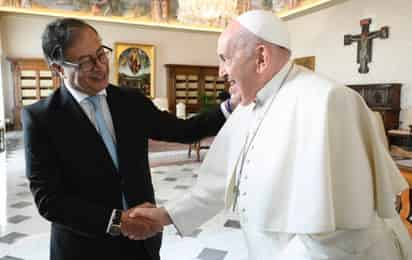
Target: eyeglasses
{"points": [[87, 63]]}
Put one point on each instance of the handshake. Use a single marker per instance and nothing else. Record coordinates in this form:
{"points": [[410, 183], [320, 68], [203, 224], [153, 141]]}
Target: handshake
{"points": [[143, 221]]}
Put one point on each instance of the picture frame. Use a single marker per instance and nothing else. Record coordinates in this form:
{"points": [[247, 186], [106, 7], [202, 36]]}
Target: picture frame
{"points": [[307, 62], [135, 67]]}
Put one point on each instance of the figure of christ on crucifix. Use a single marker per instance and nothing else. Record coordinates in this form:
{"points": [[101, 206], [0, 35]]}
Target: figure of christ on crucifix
{"points": [[364, 41]]}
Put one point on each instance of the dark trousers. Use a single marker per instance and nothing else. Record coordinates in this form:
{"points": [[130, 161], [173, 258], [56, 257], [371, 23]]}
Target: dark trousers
{"points": [[68, 245]]}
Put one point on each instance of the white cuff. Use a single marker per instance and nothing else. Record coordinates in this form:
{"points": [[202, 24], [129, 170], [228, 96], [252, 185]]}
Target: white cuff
{"points": [[110, 221], [224, 110]]}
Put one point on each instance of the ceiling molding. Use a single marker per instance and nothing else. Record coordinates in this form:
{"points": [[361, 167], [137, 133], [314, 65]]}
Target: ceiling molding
{"points": [[311, 7]]}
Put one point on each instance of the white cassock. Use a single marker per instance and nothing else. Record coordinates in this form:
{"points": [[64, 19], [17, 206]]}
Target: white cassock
{"points": [[315, 180]]}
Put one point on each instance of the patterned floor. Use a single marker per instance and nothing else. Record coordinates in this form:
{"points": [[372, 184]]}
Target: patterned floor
{"points": [[24, 234]]}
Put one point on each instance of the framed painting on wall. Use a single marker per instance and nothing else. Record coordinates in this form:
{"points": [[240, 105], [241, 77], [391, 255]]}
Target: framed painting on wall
{"points": [[135, 67], [307, 62]]}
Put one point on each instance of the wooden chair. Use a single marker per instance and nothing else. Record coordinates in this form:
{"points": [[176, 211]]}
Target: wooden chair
{"points": [[403, 200], [197, 146]]}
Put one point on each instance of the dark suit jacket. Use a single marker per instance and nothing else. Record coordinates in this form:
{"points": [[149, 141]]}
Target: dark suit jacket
{"points": [[73, 179]]}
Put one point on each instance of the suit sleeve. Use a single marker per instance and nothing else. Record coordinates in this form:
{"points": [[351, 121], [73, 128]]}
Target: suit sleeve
{"points": [[167, 127], [48, 189]]}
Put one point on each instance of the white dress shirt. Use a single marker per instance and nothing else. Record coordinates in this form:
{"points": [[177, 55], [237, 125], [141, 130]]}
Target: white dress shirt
{"points": [[88, 109]]}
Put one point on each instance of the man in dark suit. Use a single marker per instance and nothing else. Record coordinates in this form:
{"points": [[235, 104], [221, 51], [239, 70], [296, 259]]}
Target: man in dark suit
{"points": [[86, 150]]}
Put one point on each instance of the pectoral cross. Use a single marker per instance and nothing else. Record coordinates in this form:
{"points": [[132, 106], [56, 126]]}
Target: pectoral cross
{"points": [[364, 41]]}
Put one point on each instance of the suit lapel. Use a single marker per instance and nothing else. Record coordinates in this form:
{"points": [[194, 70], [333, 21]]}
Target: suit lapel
{"points": [[73, 109], [113, 101], [74, 122]]}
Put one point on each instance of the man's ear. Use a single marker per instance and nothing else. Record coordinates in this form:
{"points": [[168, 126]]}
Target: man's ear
{"points": [[57, 69], [262, 58]]}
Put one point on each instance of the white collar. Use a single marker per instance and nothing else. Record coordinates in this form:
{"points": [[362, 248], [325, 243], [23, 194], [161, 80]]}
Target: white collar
{"points": [[273, 85], [81, 96]]}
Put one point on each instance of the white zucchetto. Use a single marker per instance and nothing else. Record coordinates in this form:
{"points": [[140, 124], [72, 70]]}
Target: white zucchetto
{"points": [[266, 25]]}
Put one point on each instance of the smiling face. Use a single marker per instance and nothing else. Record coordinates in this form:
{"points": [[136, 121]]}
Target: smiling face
{"points": [[86, 45], [247, 61], [237, 65]]}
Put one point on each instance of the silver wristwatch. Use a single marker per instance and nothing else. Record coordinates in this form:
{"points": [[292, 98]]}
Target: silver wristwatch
{"points": [[114, 223]]}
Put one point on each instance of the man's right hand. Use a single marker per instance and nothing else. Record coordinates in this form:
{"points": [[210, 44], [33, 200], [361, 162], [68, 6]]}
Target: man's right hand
{"points": [[139, 227], [159, 216]]}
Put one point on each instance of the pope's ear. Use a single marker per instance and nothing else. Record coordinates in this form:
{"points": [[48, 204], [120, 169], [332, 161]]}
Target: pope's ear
{"points": [[262, 57]]}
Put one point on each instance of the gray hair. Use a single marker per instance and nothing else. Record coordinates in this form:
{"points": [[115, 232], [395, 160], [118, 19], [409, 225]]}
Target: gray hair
{"points": [[59, 35]]}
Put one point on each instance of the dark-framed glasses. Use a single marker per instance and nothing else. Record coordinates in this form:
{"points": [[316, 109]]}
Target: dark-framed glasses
{"points": [[87, 63]]}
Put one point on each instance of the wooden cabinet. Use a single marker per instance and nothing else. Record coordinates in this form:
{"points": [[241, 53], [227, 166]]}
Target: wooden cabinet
{"points": [[32, 81], [383, 98], [192, 84]]}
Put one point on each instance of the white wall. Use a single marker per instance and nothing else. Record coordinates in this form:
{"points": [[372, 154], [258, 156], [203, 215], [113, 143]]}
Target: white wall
{"points": [[22, 39], [321, 34], [2, 105], [3, 177]]}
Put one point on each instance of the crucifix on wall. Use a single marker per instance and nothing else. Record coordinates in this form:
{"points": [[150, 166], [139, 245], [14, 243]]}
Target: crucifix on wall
{"points": [[364, 41]]}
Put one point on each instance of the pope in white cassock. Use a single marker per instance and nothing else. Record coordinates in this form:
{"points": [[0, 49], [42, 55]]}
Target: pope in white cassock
{"points": [[301, 160]]}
